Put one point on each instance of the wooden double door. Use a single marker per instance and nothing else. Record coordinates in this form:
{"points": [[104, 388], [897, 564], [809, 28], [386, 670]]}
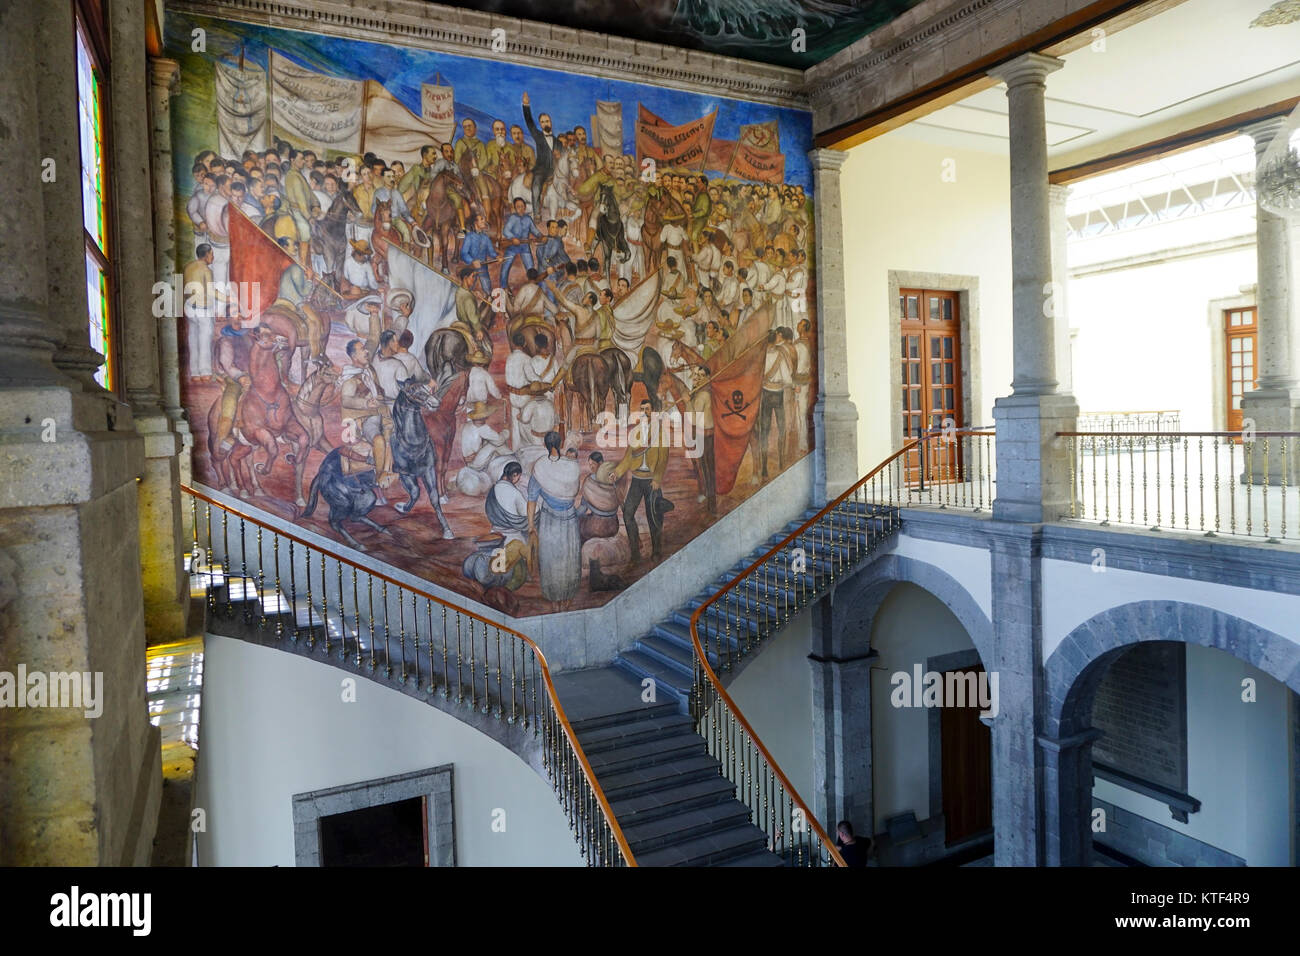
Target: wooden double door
{"points": [[930, 329]]}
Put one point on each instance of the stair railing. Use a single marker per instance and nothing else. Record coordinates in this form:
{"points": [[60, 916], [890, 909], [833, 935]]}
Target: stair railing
{"points": [[945, 468], [392, 629]]}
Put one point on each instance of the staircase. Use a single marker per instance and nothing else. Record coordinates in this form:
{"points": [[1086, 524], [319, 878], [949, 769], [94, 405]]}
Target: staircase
{"points": [[668, 791]]}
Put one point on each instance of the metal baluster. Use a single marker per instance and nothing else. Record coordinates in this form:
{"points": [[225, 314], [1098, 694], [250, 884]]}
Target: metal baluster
{"points": [[460, 686], [1200, 469], [356, 614], [245, 612], [415, 637], [343, 614], [311, 609], [261, 583], [279, 595], [293, 589], [433, 680], [446, 679], [225, 560], [401, 634], [370, 607], [324, 603]]}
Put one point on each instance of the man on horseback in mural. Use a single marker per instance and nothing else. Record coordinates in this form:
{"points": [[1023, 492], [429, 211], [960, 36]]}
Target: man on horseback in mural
{"points": [[293, 299], [501, 153], [402, 220], [548, 149], [472, 169], [469, 317], [365, 417]]}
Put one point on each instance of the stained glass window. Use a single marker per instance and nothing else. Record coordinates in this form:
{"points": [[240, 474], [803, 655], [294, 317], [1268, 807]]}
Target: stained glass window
{"points": [[90, 110]]}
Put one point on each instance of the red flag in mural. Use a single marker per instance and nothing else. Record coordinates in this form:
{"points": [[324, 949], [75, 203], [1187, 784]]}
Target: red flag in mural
{"points": [[720, 151], [256, 263], [685, 146], [762, 165], [736, 376]]}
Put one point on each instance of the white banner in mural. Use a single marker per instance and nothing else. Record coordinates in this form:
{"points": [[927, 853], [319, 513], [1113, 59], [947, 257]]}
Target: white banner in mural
{"points": [[312, 109], [392, 131], [438, 108], [434, 296], [241, 108], [607, 127]]}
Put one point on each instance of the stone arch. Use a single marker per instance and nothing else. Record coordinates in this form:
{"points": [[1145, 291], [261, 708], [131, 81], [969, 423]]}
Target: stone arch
{"points": [[860, 597], [1075, 669]]}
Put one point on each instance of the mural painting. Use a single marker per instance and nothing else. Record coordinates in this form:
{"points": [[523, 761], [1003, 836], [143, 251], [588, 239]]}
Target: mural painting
{"points": [[521, 333]]}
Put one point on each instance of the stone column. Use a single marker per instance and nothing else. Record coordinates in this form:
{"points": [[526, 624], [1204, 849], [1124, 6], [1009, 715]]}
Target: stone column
{"points": [[1067, 798], [1016, 569], [835, 418], [166, 591], [163, 76], [1033, 466], [1057, 196], [841, 716], [80, 784], [1272, 406]]}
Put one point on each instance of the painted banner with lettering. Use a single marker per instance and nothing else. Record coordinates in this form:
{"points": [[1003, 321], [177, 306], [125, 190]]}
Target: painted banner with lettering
{"points": [[684, 147], [438, 110], [750, 163], [392, 131], [314, 110]]}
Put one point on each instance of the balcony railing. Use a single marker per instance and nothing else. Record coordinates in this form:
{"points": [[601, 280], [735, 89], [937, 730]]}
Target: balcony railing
{"points": [[1156, 425], [1213, 483], [948, 468], [297, 590]]}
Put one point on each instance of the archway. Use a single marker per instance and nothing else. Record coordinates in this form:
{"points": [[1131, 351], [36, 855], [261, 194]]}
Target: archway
{"points": [[856, 726], [1237, 698]]}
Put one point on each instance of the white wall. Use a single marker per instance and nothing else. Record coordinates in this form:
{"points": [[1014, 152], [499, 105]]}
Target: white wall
{"points": [[274, 725], [1144, 339], [911, 626], [1238, 763], [774, 692], [899, 214]]}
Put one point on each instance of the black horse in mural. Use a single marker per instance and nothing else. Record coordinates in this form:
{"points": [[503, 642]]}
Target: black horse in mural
{"points": [[414, 457], [350, 498], [610, 234], [331, 231]]}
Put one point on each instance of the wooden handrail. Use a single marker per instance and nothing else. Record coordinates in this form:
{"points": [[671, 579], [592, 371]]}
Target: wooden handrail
{"points": [[569, 732], [703, 659], [1236, 434]]}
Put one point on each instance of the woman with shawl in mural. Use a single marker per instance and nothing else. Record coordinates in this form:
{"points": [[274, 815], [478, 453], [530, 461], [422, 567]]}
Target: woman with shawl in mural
{"points": [[553, 489]]}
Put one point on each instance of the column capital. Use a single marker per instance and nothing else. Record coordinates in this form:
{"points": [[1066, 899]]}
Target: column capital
{"points": [[1264, 132], [827, 159], [1058, 194], [1027, 68], [163, 74]]}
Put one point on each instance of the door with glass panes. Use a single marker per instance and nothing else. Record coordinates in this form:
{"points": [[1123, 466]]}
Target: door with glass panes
{"points": [[931, 357], [1242, 341]]}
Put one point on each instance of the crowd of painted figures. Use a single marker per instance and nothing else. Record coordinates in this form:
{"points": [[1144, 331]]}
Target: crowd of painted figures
{"points": [[575, 278]]}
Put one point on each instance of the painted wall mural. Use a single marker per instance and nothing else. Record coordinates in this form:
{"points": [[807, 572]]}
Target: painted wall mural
{"points": [[520, 332]]}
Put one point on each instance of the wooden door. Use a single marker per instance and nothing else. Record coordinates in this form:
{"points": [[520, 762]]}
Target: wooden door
{"points": [[931, 378], [966, 749], [1241, 336]]}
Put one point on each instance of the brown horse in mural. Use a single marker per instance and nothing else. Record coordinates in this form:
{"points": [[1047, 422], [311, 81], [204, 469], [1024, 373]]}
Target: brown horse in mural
{"points": [[592, 375], [440, 223], [264, 415]]}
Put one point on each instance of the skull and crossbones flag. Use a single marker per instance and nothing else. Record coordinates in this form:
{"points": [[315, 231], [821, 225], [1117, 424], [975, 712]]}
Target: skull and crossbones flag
{"points": [[735, 389]]}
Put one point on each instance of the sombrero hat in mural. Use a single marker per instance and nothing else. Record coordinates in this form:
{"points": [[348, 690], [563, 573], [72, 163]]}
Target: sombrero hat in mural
{"points": [[420, 237], [360, 245]]}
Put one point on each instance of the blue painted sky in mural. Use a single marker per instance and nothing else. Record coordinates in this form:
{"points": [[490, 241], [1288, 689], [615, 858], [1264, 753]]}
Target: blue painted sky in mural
{"points": [[491, 88]]}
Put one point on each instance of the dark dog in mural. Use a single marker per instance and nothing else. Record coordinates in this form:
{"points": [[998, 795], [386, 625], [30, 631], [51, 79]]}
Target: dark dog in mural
{"points": [[414, 458], [350, 497]]}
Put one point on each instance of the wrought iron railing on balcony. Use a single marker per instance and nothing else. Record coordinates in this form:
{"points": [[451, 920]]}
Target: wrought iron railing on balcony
{"points": [[944, 468], [1229, 483], [298, 590], [1158, 426]]}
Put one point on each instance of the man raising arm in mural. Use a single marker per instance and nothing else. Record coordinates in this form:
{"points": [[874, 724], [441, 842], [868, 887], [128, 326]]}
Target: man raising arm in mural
{"points": [[548, 145]]}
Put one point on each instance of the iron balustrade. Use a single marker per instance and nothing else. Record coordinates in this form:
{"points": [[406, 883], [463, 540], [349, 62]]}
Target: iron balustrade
{"points": [[1213, 483], [303, 591]]}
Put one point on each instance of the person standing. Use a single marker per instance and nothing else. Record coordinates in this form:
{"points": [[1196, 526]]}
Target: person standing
{"points": [[199, 293], [854, 849], [554, 489], [645, 464], [519, 229], [776, 378]]}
